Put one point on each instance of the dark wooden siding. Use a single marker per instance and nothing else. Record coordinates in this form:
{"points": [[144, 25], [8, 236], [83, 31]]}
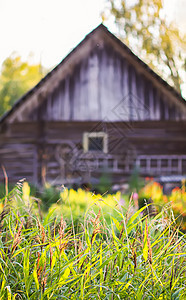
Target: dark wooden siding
{"points": [[102, 83], [55, 148], [19, 161]]}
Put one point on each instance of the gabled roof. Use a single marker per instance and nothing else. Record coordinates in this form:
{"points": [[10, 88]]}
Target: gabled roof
{"points": [[100, 29]]}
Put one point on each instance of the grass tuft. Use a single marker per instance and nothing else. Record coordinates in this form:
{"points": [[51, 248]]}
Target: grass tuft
{"points": [[113, 253]]}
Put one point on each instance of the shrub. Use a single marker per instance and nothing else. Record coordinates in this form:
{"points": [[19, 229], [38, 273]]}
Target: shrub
{"points": [[177, 200], [74, 204]]}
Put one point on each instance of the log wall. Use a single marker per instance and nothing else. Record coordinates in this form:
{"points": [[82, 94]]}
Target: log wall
{"points": [[55, 150]]}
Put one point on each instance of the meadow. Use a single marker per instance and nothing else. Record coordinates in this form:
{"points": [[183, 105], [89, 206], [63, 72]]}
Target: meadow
{"points": [[88, 246]]}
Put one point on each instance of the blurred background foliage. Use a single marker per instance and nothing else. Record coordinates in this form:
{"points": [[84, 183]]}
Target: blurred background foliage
{"points": [[144, 27], [16, 78]]}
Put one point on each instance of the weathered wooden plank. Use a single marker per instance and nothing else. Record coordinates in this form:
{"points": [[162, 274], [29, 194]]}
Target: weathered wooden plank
{"points": [[123, 112], [97, 85]]}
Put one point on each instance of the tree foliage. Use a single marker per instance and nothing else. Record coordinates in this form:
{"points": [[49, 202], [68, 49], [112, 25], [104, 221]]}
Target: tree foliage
{"points": [[143, 26], [16, 78]]}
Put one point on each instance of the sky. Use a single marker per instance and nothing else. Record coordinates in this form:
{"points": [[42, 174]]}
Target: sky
{"points": [[50, 29]]}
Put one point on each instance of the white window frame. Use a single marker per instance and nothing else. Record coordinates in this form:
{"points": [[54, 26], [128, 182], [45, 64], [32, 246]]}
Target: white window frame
{"points": [[88, 135]]}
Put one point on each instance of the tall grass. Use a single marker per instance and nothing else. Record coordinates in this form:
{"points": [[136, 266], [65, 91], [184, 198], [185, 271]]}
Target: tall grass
{"points": [[129, 256]]}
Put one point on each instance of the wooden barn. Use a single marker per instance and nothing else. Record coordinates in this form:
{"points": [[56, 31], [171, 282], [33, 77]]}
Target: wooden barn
{"points": [[100, 111]]}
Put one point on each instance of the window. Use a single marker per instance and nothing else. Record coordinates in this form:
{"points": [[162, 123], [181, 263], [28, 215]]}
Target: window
{"points": [[168, 164], [143, 163], [95, 141], [154, 163]]}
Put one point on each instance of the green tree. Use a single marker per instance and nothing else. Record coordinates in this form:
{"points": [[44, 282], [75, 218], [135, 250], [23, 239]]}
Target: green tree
{"points": [[16, 78], [143, 26]]}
